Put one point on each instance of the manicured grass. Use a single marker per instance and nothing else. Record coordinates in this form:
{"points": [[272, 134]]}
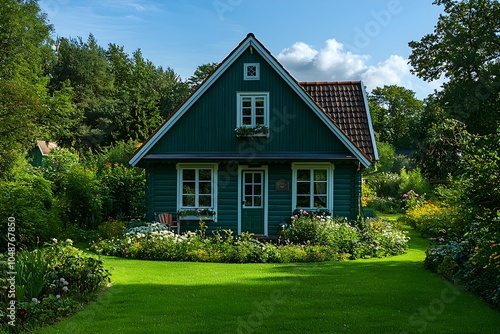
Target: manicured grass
{"points": [[389, 216], [391, 295]]}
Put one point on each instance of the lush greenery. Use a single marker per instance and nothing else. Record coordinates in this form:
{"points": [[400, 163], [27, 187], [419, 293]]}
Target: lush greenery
{"points": [[48, 285], [310, 238], [378, 295], [98, 103], [75, 195], [464, 50]]}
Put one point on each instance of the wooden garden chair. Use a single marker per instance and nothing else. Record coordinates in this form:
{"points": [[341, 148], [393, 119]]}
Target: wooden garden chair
{"points": [[166, 220]]}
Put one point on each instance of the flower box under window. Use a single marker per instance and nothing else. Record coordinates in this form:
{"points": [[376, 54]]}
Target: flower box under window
{"points": [[252, 131], [196, 214]]}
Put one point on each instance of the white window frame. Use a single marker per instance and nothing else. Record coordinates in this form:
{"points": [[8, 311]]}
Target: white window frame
{"points": [[180, 168], [239, 104], [329, 182], [251, 77]]}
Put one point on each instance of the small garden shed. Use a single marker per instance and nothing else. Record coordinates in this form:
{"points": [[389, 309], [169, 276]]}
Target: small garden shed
{"points": [[42, 150], [251, 144]]}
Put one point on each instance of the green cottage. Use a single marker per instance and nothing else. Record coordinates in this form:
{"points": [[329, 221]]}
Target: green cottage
{"points": [[251, 144]]}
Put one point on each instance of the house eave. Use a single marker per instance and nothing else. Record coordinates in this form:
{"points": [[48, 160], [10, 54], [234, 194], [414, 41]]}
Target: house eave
{"points": [[286, 156]]}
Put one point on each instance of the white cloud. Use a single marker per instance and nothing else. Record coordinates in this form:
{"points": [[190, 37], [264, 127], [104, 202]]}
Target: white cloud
{"points": [[299, 54], [334, 63], [392, 71]]}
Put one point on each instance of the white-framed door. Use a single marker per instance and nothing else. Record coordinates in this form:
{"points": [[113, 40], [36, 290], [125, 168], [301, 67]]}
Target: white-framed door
{"points": [[253, 200]]}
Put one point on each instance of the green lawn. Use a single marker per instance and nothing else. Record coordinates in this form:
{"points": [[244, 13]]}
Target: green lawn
{"points": [[391, 295]]}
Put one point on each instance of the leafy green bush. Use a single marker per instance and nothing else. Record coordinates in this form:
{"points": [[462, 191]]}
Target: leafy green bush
{"points": [[57, 167], [414, 180], [51, 283], [82, 197], [33, 272], [473, 262], [384, 204], [111, 229], [27, 197], [386, 184], [123, 190]]}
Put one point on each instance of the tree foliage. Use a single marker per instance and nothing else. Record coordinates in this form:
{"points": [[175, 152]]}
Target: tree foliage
{"points": [[395, 114], [201, 73], [464, 49], [117, 96], [25, 50]]}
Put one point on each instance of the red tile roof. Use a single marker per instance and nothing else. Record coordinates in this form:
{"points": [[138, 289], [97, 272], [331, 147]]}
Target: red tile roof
{"points": [[344, 103]]}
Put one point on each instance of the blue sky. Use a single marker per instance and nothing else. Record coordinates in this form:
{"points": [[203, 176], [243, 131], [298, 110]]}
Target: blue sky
{"points": [[316, 40]]}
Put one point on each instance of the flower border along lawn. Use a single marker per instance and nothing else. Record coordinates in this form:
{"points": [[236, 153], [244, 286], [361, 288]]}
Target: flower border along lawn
{"points": [[389, 295]]}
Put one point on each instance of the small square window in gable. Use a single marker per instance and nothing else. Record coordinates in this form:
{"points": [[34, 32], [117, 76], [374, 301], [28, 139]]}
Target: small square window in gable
{"points": [[251, 71]]}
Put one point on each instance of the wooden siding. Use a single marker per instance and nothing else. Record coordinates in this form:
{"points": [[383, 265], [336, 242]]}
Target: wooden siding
{"points": [[161, 194], [161, 191], [344, 190], [280, 202], [227, 210], [209, 125]]}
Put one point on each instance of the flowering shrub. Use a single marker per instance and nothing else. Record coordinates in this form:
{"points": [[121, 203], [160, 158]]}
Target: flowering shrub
{"points": [[411, 200], [52, 283], [366, 238], [433, 220], [323, 239], [379, 238], [473, 261], [384, 204]]}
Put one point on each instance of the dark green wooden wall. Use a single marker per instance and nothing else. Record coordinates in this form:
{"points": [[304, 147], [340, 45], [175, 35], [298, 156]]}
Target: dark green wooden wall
{"points": [[209, 124], [161, 194]]}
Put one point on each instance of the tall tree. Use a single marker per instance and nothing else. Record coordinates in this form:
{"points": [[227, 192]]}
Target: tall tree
{"points": [[395, 113], [200, 74], [25, 46], [145, 94], [465, 50], [84, 66]]}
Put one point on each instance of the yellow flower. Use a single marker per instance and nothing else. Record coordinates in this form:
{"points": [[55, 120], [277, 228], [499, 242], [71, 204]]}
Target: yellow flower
{"points": [[486, 266]]}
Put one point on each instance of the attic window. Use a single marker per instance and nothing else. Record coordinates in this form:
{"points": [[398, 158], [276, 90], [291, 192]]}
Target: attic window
{"points": [[251, 71]]}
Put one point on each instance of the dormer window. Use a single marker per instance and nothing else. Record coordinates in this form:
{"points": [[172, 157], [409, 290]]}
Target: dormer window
{"points": [[251, 71]]}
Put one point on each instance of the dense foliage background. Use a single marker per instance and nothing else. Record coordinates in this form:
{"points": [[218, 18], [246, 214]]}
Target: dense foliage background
{"points": [[439, 158]]}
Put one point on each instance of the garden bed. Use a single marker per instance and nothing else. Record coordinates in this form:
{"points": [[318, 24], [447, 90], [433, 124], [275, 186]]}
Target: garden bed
{"points": [[309, 239]]}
